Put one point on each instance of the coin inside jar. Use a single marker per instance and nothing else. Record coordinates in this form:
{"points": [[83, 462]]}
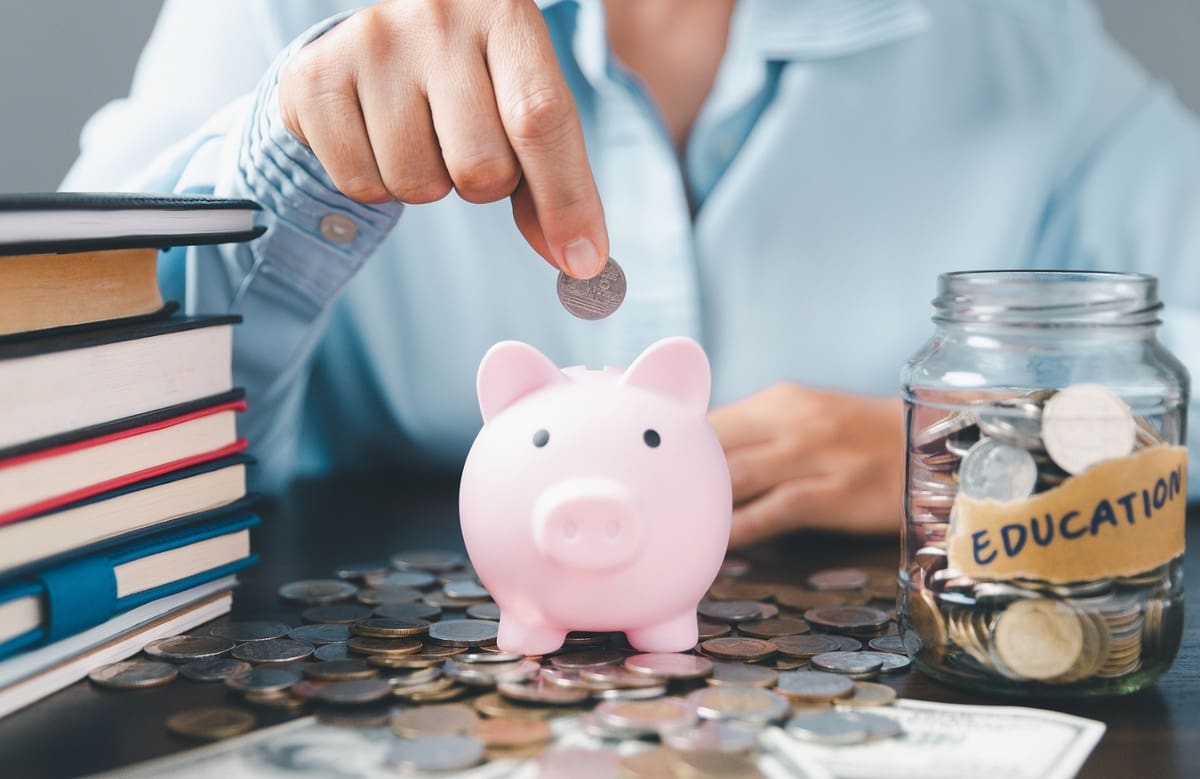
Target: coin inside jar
{"points": [[1085, 424], [997, 471]]}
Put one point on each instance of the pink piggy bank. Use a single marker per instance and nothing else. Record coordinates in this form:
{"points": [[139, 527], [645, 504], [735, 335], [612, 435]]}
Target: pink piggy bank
{"points": [[596, 500]]}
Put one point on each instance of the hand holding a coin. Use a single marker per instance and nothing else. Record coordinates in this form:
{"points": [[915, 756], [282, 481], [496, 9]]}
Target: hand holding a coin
{"points": [[408, 99], [806, 458]]}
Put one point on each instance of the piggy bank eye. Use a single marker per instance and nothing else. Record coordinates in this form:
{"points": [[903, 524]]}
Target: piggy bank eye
{"points": [[541, 438], [652, 438]]}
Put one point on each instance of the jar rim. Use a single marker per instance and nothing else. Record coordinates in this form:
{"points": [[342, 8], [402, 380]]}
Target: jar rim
{"points": [[1047, 298]]}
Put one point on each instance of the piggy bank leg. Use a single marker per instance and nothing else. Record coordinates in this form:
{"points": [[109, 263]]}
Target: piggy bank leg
{"points": [[526, 638], [678, 634]]}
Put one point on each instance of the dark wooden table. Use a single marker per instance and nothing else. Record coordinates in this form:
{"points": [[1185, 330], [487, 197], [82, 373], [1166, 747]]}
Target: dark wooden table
{"points": [[80, 730]]}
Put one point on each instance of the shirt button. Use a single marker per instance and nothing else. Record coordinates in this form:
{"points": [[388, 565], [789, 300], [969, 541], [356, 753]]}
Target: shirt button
{"points": [[338, 228]]}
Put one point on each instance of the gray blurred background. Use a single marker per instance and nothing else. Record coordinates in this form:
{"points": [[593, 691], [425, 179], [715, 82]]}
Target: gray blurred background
{"points": [[60, 60]]}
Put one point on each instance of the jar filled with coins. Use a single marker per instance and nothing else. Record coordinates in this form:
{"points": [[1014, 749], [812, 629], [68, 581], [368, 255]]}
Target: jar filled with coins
{"points": [[1046, 486]]}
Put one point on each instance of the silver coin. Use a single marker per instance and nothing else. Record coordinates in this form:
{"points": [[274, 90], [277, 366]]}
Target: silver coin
{"points": [[333, 652], [631, 693], [241, 632], [214, 669], [356, 571], [465, 590], [997, 471], [734, 702], [814, 685], [464, 632], [408, 611], [729, 737], [435, 753], [742, 674], [354, 692], [489, 657], [829, 727], [1014, 421], [484, 611], [855, 665], [891, 644], [277, 650], [339, 614], [396, 579], [321, 633], [1085, 424], [490, 674], [435, 560], [839, 579], [263, 680], [134, 674], [316, 592], [891, 662], [594, 298], [184, 649]]}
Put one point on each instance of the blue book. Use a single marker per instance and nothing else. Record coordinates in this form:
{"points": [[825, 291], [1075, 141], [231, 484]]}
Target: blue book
{"points": [[74, 595]]}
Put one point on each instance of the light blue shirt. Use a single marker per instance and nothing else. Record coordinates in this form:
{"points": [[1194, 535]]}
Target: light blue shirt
{"points": [[850, 151]]}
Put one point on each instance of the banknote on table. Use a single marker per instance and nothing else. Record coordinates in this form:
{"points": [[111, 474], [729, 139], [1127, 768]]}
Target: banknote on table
{"points": [[947, 741]]}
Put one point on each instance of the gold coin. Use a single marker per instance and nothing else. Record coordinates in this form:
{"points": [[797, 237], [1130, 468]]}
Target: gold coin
{"points": [[210, 723], [511, 732], [927, 618], [1038, 638], [869, 694], [492, 705]]}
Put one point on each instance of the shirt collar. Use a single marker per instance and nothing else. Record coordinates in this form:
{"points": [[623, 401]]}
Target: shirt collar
{"points": [[816, 29]]}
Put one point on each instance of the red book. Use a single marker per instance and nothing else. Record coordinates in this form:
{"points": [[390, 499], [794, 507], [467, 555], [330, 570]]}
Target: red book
{"points": [[43, 475]]}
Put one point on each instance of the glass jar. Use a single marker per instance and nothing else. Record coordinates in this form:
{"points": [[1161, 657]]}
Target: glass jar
{"points": [[1046, 486]]}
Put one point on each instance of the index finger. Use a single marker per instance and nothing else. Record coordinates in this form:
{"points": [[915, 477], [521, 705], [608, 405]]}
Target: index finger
{"points": [[542, 124]]}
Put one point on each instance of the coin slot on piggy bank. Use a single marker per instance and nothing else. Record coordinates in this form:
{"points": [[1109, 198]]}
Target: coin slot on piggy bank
{"points": [[596, 500]]}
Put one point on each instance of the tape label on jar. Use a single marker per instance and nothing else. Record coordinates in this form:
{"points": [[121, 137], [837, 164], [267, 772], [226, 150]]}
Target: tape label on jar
{"points": [[1120, 517]]}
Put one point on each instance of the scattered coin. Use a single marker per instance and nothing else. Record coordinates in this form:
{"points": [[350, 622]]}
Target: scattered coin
{"points": [[316, 592], [855, 665], [464, 632], [814, 685], [484, 611], [435, 560], [263, 680], [892, 644], [646, 717], [380, 597], [724, 736], [408, 611], [211, 723], [738, 590], [670, 665], [735, 702], [869, 694], [732, 610], [805, 647], [241, 632], [713, 629], [442, 719], [831, 728], [369, 645], [390, 627], [340, 670], [890, 662], [742, 674], [846, 617], [397, 579], [539, 690], [354, 692], [588, 659], [276, 650], [736, 648], [839, 579], [134, 674], [594, 298], [510, 732], [183, 649], [356, 571], [214, 669], [343, 613], [771, 628], [466, 590], [331, 652], [367, 716], [321, 633]]}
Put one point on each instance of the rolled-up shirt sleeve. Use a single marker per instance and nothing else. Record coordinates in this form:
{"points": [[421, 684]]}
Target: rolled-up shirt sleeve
{"points": [[283, 283]]}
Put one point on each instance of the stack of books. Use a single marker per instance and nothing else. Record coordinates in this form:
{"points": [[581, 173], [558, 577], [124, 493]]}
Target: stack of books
{"points": [[123, 506]]}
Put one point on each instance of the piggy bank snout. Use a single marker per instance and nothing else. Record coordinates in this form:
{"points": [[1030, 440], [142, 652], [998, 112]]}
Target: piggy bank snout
{"points": [[588, 524]]}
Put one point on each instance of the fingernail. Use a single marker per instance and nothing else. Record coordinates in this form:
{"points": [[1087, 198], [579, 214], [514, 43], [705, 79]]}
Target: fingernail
{"points": [[583, 261]]}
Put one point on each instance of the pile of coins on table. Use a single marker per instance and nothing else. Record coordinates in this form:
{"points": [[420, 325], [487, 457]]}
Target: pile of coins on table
{"points": [[1026, 630], [411, 646]]}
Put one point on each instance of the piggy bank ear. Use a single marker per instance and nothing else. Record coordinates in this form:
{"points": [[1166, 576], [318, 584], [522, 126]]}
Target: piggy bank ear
{"points": [[676, 367], [509, 371]]}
